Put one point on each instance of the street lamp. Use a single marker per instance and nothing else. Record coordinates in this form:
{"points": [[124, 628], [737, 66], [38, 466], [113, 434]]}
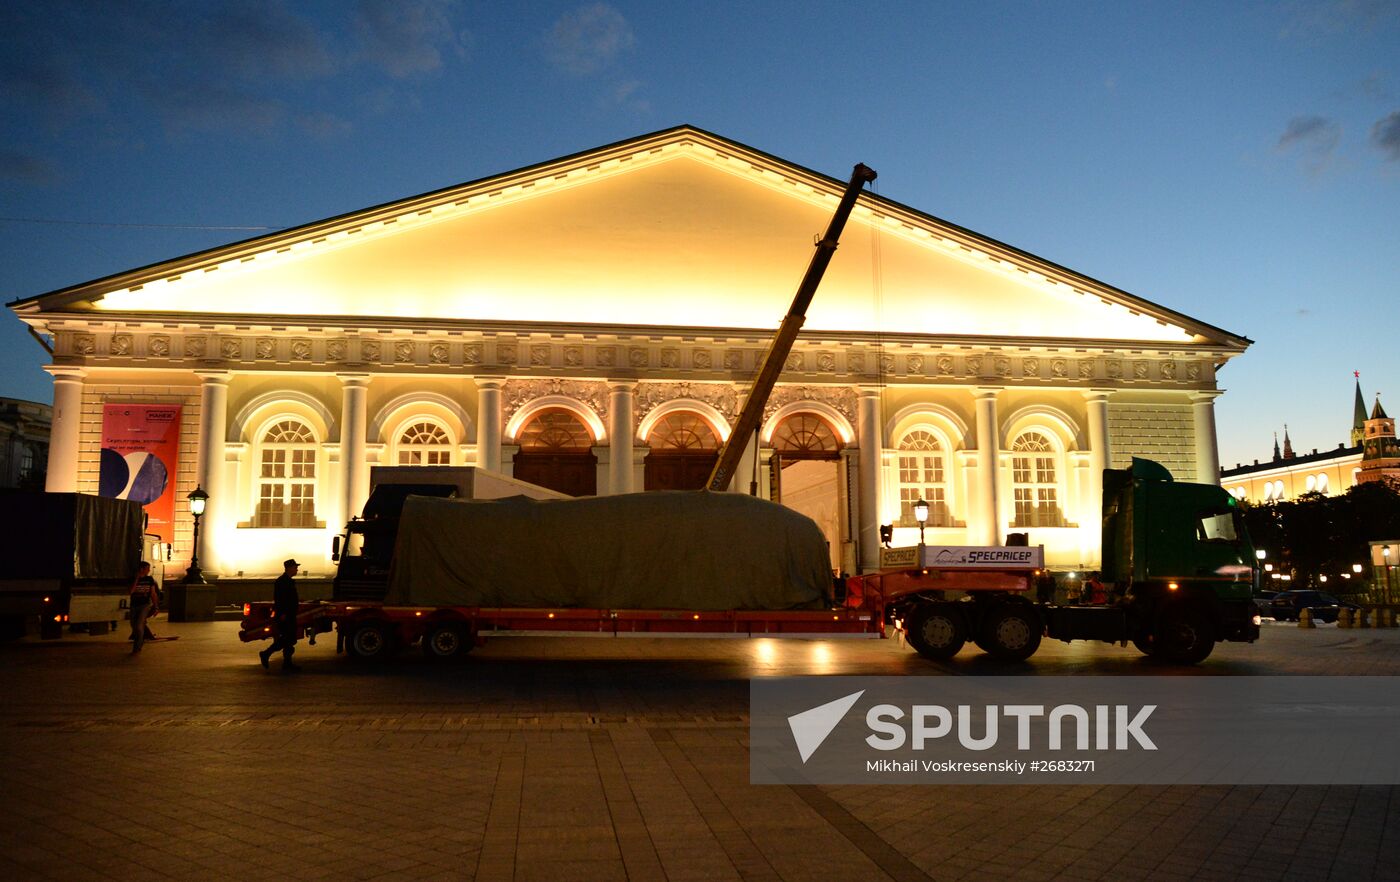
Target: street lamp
{"points": [[198, 499], [921, 515], [1260, 554]]}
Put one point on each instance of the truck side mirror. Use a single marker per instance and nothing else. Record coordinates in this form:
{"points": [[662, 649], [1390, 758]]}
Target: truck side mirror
{"points": [[335, 548]]}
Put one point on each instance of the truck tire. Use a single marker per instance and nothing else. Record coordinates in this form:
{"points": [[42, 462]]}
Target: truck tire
{"points": [[936, 632], [1012, 632], [1183, 638], [369, 641], [447, 641]]}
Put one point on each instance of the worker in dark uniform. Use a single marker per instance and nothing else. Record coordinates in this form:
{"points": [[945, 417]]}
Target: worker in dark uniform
{"points": [[284, 609]]}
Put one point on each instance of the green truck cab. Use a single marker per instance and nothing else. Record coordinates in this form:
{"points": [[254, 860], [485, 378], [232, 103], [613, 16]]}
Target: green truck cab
{"points": [[1179, 558]]}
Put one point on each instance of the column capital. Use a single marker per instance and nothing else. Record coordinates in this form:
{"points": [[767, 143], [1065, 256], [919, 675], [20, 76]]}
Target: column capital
{"points": [[63, 373], [1205, 396], [489, 382], [982, 393], [354, 380], [214, 378], [1097, 394], [868, 391], [621, 384]]}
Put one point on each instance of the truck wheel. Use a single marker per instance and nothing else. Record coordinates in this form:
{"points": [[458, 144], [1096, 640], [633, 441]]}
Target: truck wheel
{"points": [[369, 641], [1012, 632], [936, 632], [447, 641], [1182, 638]]}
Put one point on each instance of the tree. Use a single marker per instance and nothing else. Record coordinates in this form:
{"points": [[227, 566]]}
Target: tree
{"points": [[1324, 535]]}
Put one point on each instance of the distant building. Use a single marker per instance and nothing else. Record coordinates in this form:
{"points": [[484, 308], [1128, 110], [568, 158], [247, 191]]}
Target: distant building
{"points": [[24, 443], [1372, 455]]}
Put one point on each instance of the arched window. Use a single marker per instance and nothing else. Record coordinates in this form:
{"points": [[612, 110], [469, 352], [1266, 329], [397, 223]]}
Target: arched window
{"points": [[682, 431], [424, 444], [555, 429], [1035, 481], [287, 477], [805, 434], [922, 476], [1322, 482]]}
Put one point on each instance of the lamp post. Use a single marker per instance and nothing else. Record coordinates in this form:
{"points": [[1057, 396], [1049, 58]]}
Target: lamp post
{"points": [[198, 499], [921, 515]]}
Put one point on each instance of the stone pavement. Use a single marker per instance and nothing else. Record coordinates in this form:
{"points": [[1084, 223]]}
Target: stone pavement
{"points": [[588, 758]]}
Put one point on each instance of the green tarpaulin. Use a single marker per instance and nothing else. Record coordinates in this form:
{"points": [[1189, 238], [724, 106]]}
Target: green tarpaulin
{"points": [[659, 550]]}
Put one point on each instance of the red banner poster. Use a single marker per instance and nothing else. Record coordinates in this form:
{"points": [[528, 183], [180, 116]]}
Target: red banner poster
{"points": [[140, 450]]}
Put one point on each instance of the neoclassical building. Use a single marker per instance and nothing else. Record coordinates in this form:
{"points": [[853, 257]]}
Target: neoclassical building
{"points": [[592, 324]]}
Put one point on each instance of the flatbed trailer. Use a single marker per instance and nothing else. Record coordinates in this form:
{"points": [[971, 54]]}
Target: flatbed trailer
{"points": [[375, 631]]}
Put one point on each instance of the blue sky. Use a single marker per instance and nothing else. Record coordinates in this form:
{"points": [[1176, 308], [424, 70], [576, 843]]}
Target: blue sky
{"points": [[1238, 162]]}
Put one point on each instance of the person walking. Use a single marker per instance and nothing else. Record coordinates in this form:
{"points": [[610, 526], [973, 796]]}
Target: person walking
{"points": [[144, 604], [285, 603]]}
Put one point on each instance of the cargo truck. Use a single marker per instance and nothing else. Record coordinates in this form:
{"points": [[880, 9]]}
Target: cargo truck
{"points": [[1176, 554], [68, 561]]}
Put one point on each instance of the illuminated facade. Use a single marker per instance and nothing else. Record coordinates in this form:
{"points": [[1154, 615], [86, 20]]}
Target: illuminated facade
{"points": [[591, 323]]}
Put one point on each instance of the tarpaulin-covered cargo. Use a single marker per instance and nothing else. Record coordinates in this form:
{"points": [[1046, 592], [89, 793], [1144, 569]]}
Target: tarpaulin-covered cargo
{"points": [[661, 550], [69, 536]]}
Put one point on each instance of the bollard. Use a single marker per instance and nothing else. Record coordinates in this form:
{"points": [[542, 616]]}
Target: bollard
{"points": [[1360, 619], [1305, 618], [1343, 618]]}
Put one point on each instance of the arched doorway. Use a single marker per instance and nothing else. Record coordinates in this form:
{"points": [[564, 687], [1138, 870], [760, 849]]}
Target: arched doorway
{"points": [[806, 474], [556, 452], [683, 452]]}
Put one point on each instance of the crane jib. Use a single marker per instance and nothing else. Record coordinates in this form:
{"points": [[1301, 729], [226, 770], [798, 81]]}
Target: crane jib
{"points": [[778, 350]]}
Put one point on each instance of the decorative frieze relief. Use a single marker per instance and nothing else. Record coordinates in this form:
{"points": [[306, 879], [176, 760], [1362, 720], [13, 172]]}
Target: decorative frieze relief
{"points": [[160, 346], [637, 357], [336, 349], [265, 348], [702, 360], [670, 358], [733, 359], [842, 398], [301, 350], [515, 394], [539, 355], [121, 344], [1030, 367], [794, 362], [84, 344], [826, 362], [1169, 370], [720, 396], [914, 364], [1059, 368], [472, 353], [196, 347], [573, 356], [231, 348], [1193, 371], [438, 353], [403, 352], [370, 351], [945, 365]]}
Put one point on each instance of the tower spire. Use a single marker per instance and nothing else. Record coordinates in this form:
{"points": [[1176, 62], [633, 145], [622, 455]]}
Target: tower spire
{"points": [[1358, 420], [1277, 456], [1287, 444]]}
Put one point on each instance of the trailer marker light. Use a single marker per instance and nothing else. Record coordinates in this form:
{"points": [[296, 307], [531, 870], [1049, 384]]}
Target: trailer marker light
{"points": [[418, 613], [835, 618], [247, 610], [551, 615], [265, 630], [1257, 621], [1172, 586], [58, 618], [696, 616], [48, 600]]}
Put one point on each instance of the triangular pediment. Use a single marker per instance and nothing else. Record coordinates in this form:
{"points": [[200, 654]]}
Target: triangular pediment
{"points": [[679, 229]]}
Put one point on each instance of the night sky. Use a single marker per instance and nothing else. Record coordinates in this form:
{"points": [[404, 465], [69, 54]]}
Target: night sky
{"points": [[1237, 162]]}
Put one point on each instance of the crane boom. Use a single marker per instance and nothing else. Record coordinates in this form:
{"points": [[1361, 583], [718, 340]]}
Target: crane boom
{"points": [[787, 333]]}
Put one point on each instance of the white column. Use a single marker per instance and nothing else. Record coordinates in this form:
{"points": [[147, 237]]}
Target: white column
{"points": [[488, 422], [354, 423], [209, 462], [987, 531], [1100, 455], [1207, 456], [870, 437], [62, 476], [620, 435]]}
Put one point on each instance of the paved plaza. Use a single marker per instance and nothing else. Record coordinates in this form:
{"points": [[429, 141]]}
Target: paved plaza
{"points": [[563, 758]]}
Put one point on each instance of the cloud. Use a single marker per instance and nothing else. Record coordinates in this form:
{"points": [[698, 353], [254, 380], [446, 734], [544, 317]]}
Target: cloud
{"points": [[1314, 137], [625, 95], [406, 37], [588, 39], [16, 166], [253, 67], [1385, 134]]}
